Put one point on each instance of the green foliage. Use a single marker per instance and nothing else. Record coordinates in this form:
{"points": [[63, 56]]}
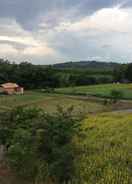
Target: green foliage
{"points": [[39, 77], [116, 95], [84, 73], [119, 74], [92, 66], [21, 154], [128, 72], [40, 146], [48, 90], [105, 156], [105, 102], [56, 148], [123, 73]]}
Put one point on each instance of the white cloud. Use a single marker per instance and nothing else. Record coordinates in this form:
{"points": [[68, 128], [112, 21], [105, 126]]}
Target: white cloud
{"points": [[104, 34], [13, 37], [27, 41], [107, 26], [106, 20], [38, 51], [5, 48]]}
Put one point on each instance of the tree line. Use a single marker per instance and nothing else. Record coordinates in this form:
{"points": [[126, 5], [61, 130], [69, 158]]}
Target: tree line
{"points": [[38, 77], [123, 73]]}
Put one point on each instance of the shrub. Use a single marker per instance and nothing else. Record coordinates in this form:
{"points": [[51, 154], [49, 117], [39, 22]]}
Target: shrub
{"points": [[40, 146], [116, 95]]}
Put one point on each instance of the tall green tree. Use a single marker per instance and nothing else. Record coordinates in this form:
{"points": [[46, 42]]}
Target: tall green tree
{"points": [[128, 73], [40, 146]]}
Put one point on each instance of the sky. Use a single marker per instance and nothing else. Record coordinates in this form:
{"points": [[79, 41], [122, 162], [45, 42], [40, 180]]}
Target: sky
{"points": [[54, 31]]}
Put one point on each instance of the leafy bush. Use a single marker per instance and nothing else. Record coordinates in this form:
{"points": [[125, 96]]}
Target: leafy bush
{"points": [[116, 95], [48, 90], [40, 146]]}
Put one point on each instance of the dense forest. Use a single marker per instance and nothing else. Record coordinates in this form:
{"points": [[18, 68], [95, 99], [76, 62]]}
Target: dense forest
{"points": [[38, 76]]}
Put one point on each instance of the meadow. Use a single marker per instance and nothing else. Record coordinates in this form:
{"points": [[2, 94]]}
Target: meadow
{"points": [[84, 99], [102, 90], [50, 102], [106, 144]]}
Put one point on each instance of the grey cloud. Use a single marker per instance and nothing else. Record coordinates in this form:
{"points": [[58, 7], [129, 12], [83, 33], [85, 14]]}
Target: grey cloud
{"points": [[26, 12], [30, 14], [14, 44], [106, 46], [127, 3]]}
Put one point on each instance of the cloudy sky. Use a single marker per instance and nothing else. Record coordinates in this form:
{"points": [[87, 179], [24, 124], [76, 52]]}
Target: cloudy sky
{"points": [[50, 31]]}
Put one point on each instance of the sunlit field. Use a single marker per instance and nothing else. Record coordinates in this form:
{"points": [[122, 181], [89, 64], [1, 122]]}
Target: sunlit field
{"points": [[106, 156], [99, 90]]}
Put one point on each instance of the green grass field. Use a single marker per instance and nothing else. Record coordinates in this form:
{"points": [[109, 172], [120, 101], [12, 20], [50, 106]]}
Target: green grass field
{"points": [[98, 90], [81, 104], [106, 156], [49, 102]]}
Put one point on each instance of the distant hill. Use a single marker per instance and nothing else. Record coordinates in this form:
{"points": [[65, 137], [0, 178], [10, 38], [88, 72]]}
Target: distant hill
{"points": [[91, 65]]}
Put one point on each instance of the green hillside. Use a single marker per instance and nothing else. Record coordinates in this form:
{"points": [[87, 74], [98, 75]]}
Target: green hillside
{"points": [[102, 90], [91, 65]]}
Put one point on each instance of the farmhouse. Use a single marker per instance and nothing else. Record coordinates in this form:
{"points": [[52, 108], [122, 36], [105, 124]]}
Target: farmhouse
{"points": [[12, 88]]}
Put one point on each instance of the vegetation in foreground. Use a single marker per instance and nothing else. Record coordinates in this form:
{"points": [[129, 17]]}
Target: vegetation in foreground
{"points": [[40, 148], [106, 146], [58, 148]]}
